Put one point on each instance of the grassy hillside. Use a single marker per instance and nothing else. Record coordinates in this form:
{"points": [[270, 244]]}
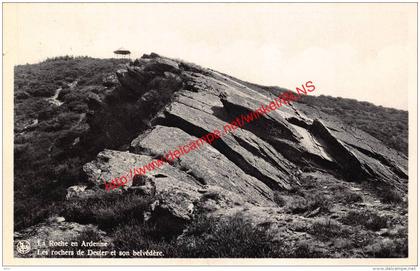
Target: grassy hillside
{"points": [[45, 162]]}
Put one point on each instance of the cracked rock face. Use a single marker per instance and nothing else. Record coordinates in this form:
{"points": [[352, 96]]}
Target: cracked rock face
{"points": [[246, 168], [206, 165], [249, 163], [252, 161]]}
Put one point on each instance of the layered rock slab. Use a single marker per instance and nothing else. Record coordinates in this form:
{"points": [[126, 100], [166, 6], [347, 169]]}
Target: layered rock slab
{"points": [[205, 163], [329, 145], [371, 158], [252, 154], [284, 128]]}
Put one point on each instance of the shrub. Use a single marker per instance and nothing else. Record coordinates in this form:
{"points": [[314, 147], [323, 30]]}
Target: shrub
{"points": [[307, 250], [231, 237], [388, 195], [278, 199], [352, 198], [328, 229], [309, 203], [108, 209], [30, 215], [369, 220], [348, 197], [141, 236], [389, 248]]}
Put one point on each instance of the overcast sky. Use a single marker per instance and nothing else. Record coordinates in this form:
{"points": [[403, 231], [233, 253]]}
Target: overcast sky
{"points": [[362, 51]]}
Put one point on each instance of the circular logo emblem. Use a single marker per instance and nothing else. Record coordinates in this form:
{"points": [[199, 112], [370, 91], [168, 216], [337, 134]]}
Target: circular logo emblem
{"points": [[23, 246]]}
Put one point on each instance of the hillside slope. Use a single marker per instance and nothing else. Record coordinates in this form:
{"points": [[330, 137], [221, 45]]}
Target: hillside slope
{"points": [[297, 182]]}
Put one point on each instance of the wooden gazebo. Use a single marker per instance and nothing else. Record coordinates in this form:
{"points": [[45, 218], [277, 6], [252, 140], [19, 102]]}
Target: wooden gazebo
{"points": [[122, 53]]}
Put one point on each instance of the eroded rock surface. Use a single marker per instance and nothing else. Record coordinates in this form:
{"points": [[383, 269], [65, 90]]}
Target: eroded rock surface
{"points": [[251, 162], [263, 169], [205, 164]]}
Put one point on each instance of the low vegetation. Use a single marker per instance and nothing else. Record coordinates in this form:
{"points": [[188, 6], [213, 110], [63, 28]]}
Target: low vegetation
{"points": [[122, 216], [348, 197], [310, 202], [228, 238], [108, 209], [328, 230], [279, 199], [45, 161], [397, 248], [390, 195], [369, 220]]}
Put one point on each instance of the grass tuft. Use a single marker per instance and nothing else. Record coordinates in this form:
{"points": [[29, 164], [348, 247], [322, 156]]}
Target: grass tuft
{"points": [[369, 220]]}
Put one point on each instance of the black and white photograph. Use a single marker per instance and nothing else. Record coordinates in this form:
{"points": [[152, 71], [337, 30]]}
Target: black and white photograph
{"points": [[210, 131]]}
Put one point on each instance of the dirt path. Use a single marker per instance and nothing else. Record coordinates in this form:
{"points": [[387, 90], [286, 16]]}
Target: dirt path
{"points": [[54, 99]]}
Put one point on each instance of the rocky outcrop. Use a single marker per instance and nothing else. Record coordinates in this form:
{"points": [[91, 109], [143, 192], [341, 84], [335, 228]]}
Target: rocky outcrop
{"points": [[251, 162], [162, 104]]}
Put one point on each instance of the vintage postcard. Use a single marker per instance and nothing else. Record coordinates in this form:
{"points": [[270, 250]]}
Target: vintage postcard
{"points": [[210, 134]]}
